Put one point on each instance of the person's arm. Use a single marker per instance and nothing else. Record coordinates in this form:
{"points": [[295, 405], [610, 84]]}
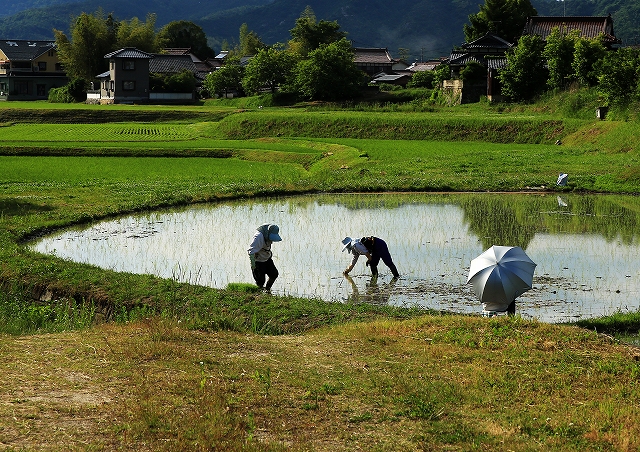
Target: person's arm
{"points": [[353, 263], [256, 245]]}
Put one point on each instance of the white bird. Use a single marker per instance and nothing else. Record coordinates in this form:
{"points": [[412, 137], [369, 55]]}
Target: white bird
{"points": [[562, 179]]}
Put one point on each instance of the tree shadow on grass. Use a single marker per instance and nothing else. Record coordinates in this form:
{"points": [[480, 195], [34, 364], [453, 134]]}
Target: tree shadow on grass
{"points": [[13, 207]]}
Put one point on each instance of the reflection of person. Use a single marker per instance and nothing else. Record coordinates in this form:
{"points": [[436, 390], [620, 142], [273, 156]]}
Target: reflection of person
{"points": [[373, 292], [260, 255], [374, 249]]}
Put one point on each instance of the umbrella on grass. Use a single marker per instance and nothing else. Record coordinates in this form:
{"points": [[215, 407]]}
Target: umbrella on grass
{"points": [[499, 275]]}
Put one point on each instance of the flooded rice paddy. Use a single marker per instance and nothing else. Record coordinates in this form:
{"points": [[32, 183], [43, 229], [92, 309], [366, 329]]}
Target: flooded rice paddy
{"points": [[586, 247]]}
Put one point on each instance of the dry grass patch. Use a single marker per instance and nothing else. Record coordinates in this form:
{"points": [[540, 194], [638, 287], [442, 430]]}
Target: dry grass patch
{"points": [[433, 383]]}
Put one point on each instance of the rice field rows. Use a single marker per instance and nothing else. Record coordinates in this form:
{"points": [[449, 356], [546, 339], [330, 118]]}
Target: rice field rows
{"points": [[114, 132]]}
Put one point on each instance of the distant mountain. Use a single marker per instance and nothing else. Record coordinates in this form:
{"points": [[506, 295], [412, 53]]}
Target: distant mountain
{"points": [[428, 28]]}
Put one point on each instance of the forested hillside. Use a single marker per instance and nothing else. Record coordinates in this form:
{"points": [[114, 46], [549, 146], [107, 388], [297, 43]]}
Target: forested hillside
{"points": [[427, 28]]}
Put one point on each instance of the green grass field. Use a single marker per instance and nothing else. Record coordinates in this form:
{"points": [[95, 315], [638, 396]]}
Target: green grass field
{"points": [[137, 362]]}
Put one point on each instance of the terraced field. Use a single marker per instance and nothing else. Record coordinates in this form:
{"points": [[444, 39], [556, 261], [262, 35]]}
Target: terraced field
{"points": [[112, 132]]}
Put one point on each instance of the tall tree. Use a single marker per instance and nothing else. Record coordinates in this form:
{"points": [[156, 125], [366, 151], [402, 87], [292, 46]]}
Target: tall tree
{"points": [[138, 34], [250, 42], [308, 34], [618, 81], [329, 73], [505, 18], [184, 34], [558, 52], [586, 56], [525, 75], [92, 37]]}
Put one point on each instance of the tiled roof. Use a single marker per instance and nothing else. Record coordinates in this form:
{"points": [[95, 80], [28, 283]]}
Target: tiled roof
{"points": [[129, 52], [389, 77], [488, 41], [488, 50], [590, 27], [365, 55], [171, 63], [496, 62], [424, 66], [22, 50], [488, 61], [177, 51], [460, 59]]}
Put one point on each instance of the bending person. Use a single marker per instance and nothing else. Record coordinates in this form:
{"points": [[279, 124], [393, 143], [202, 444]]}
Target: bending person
{"points": [[260, 255], [374, 248]]}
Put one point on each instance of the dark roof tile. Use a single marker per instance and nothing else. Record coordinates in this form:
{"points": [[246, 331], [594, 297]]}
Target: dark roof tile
{"points": [[129, 52], [23, 50], [589, 27], [372, 55], [171, 63]]}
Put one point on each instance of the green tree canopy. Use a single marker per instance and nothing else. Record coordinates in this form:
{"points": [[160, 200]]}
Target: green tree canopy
{"points": [[92, 37], [225, 80], [250, 42], [184, 34], [308, 34], [269, 68], [422, 79], [505, 18], [558, 52], [473, 72], [138, 34], [619, 78], [329, 73], [525, 75], [586, 56], [180, 82]]}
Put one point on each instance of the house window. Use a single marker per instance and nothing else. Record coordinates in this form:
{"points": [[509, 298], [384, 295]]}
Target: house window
{"points": [[128, 85], [50, 53], [59, 67], [41, 90], [129, 65], [42, 65], [113, 85], [21, 87], [112, 65]]}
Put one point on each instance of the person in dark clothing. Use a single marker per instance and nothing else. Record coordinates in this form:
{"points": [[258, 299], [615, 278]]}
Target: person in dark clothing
{"points": [[375, 249], [260, 255]]}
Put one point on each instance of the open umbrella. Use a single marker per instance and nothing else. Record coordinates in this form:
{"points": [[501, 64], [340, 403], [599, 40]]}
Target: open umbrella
{"points": [[499, 275]]}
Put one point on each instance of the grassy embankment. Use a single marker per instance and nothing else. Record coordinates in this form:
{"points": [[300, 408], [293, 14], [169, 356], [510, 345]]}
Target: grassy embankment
{"points": [[196, 375]]}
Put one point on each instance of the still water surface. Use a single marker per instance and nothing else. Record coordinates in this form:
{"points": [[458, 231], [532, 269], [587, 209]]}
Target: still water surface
{"points": [[586, 247]]}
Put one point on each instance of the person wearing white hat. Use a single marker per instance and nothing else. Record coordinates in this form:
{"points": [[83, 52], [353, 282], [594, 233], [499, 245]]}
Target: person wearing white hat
{"points": [[260, 255], [374, 248]]}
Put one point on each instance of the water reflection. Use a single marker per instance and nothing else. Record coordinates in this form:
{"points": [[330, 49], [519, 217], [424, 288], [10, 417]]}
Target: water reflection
{"points": [[586, 247]]}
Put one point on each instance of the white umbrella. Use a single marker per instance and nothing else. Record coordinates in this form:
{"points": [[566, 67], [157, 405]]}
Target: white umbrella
{"points": [[501, 274]]}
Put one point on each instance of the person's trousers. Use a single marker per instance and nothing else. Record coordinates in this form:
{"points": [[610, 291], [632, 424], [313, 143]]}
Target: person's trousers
{"points": [[381, 251], [264, 269]]}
